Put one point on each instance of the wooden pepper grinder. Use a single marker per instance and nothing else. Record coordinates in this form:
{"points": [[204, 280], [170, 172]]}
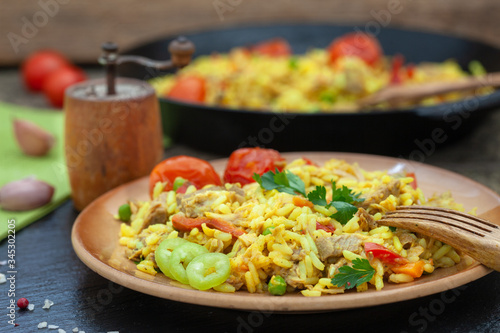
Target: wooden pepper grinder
{"points": [[113, 127]]}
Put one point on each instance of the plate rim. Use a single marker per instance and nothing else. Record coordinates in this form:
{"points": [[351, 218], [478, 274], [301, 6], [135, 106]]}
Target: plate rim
{"points": [[245, 301]]}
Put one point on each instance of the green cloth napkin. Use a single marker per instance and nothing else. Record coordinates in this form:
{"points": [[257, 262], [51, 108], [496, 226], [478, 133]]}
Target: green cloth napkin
{"points": [[14, 165]]}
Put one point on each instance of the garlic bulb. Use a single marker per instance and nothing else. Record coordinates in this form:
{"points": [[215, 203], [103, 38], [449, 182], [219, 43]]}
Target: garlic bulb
{"points": [[33, 140], [25, 194]]}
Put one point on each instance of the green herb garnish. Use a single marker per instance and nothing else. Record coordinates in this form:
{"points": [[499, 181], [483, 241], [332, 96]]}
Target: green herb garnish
{"points": [[285, 181], [350, 277]]}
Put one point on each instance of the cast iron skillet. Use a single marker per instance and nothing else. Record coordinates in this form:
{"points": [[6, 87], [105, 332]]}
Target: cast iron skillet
{"points": [[410, 132]]}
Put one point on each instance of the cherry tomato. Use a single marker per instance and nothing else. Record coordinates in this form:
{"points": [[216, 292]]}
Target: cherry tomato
{"points": [[198, 172], [39, 65], [385, 255], [356, 44], [56, 83], [188, 89], [276, 47], [244, 162]]}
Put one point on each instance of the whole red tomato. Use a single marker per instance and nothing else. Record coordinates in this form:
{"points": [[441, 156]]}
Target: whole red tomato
{"points": [[188, 89], [356, 44], [56, 83], [244, 162], [39, 65], [196, 171]]}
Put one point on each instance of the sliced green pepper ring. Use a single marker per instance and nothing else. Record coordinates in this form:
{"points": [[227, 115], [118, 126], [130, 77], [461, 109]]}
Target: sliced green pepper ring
{"points": [[164, 251], [208, 270], [180, 259]]}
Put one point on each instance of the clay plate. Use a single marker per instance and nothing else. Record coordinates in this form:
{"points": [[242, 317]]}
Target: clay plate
{"points": [[95, 241]]}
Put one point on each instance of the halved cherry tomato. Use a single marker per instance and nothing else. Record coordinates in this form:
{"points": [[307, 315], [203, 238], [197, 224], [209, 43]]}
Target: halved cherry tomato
{"points": [[182, 223], [39, 65], [277, 47], [198, 172], [385, 255], [414, 182], [244, 162], [188, 89], [56, 83], [356, 44]]}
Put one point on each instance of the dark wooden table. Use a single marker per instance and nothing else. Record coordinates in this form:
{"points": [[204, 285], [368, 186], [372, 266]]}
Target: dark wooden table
{"points": [[47, 267]]}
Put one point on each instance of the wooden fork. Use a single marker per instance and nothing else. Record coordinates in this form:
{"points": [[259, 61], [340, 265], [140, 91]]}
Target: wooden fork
{"points": [[474, 236]]}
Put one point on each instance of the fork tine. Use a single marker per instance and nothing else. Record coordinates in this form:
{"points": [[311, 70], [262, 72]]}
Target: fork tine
{"points": [[469, 234], [445, 218], [452, 212]]}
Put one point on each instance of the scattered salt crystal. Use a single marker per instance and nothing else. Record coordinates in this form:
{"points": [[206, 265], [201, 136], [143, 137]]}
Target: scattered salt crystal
{"points": [[47, 304], [43, 324], [3, 262], [31, 306], [81, 331], [2, 278], [61, 331], [53, 327], [75, 330]]}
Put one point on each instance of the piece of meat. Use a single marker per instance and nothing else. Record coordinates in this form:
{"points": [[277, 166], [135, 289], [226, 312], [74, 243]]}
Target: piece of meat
{"points": [[136, 255], [366, 221], [405, 238], [156, 214], [333, 246], [381, 193], [197, 203]]}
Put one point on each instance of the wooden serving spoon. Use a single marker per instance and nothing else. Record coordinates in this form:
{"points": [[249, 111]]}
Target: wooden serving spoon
{"points": [[399, 93]]}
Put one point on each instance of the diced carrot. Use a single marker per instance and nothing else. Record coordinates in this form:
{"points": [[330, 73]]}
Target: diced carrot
{"points": [[413, 269], [302, 202]]}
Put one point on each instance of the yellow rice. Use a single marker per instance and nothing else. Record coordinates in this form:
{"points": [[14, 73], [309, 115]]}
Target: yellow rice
{"points": [[290, 248], [304, 83]]}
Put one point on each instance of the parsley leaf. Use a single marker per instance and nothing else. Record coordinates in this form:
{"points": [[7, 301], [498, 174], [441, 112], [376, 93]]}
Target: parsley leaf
{"points": [[345, 194], [318, 196], [345, 211], [283, 181], [350, 277]]}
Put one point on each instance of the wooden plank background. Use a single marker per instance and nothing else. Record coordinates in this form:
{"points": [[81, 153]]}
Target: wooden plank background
{"points": [[77, 28]]}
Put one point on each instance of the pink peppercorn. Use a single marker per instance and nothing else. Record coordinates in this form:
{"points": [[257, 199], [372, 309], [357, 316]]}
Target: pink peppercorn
{"points": [[22, 303]]}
